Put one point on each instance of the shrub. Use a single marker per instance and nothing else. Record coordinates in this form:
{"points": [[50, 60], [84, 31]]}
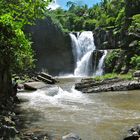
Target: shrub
{"points": [[135, 62], [110, 60]]}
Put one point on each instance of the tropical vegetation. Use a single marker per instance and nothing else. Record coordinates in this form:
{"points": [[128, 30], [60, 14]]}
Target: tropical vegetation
{"points": [[120, 17], [16, 54]]}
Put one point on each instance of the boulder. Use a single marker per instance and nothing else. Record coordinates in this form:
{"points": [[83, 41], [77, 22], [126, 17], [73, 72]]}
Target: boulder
{"points": [[71, 136], [132, 138], [133, 133], [136, 74], [46, 78], [34, 85], [48, 81]]}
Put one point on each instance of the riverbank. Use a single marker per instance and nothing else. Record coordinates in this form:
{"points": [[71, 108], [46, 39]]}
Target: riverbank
{"points": [[101, 84], [52, 112], [12, 123], [9, 122]]}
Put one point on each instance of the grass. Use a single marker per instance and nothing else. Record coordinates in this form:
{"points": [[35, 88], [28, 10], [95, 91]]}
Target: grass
{"points": [[22, 79], [127, 76]]}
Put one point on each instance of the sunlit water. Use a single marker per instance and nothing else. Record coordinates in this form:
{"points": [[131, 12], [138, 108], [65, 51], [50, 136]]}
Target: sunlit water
{"points": [[61, 110]]}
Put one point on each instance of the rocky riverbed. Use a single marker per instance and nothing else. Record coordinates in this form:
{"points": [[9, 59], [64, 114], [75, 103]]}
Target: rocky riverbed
{"points": [[9, 121], [11, 124]]}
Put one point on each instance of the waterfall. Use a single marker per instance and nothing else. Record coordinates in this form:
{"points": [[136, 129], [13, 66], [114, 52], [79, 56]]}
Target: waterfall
{"points": [[82, 47], [99, 70]]}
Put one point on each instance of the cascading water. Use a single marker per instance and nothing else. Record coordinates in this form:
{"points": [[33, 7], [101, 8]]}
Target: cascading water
{"points": [[99, 70], [83, 46]]}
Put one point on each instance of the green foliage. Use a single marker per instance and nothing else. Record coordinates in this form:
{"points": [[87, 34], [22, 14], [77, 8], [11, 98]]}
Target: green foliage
{"points": [[15, 49], [135, 25], [106, 76], [111, 59], [120, 17], [135, 62], [15, 46], [107, 13], [89, 24], [127, 76]]}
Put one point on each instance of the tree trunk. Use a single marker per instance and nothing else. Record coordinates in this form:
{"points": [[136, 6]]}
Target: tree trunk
{"points": [[5, 80]]}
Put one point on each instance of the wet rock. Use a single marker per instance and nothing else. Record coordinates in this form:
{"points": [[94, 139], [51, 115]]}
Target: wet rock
{"points": [[71, 136], [8, 123], [131, 138], [135, 129], [34, 85], [115, 84], [45, 77], [136, 74], [96, 56], [8, 131], [8, 120], [133, 133]]}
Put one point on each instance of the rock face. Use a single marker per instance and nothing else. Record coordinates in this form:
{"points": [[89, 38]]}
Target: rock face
{"points": [[92, 86], [104, 39], [52, 47], [96, 56]]}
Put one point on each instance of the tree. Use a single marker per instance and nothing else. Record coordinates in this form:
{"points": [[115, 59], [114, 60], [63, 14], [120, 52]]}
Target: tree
{"points": [[15, 48], [70, 4]]}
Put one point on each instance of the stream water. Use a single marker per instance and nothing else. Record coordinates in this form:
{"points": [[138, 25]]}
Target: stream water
{"points": [[61, 109]]}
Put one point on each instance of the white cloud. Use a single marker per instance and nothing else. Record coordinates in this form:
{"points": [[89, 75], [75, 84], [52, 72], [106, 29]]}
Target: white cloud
{"points": [[53, 5]]}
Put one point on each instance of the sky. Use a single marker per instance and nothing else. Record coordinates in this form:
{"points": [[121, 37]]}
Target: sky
{"points": [[62, 3]]}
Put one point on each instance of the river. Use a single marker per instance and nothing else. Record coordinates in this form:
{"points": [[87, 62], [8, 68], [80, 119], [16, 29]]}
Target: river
{"points": [[61, 110]]}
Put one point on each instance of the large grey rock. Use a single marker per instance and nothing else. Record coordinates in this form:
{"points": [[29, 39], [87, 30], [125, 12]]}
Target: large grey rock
{"points": [[34, 85], [115, 84], [133, 133], [136, 74], [46, 78], [71, 136]]}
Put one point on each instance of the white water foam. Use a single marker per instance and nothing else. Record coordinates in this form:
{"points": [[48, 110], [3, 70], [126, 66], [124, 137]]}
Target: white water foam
{"points": [[55, 97], [83, 46], [99, 70]]}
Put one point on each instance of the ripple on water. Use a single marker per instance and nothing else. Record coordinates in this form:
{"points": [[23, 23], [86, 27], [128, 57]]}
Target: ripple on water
{"points": [[97, 116]]}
